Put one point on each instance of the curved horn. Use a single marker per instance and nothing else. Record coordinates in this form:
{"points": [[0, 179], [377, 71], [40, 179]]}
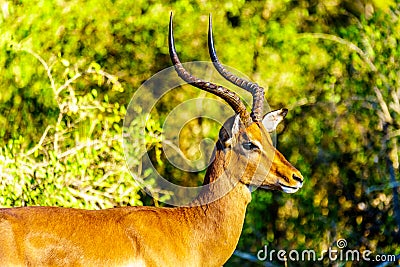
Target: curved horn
{"points": [[230, 97], [253, 88]]}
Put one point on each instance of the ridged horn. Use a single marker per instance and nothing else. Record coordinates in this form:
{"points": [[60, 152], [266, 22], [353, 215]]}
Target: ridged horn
{"points": [[228, 96], [256, 90]]}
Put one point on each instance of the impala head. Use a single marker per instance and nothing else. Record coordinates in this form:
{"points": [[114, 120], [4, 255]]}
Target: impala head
{"points": [[244, 138]]}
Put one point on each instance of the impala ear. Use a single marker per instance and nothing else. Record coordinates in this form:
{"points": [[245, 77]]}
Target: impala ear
{"points": [[273, 118], [229, 131]]}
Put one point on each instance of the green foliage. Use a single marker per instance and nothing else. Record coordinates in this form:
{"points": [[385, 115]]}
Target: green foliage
{"points": [[78, 161], [334, 64]]}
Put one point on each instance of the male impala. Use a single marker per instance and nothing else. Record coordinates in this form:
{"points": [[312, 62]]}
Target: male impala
{"points": [[202, 234]]}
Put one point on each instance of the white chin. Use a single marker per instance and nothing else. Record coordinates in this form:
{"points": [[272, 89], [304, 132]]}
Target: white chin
{"points": [[289, 190], [285, 189]]}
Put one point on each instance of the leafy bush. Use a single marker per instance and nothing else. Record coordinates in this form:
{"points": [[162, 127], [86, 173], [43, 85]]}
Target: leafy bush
{"points": [[78, 161]]}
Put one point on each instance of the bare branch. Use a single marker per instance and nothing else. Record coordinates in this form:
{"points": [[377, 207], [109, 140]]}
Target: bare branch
{"points": [[374, 188], [349, 44], [91, 143], [67, 83], [38, 145], [385, 111], [42, 61]]}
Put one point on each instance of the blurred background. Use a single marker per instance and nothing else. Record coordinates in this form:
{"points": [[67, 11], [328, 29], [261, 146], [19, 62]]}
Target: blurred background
{"points": [[69, 68]]}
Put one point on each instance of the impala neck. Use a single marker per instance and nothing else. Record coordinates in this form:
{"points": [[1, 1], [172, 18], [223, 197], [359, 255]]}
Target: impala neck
{"points": [[222, 219], [221, 177]]}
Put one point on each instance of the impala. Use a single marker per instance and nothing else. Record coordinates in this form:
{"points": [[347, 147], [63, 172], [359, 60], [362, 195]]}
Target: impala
{"points": [[202, 234]]}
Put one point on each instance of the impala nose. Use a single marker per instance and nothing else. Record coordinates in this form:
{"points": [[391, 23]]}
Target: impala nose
{"points": [[299, 179]]}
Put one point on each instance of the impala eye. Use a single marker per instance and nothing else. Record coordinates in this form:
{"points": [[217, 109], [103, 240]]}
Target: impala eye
{"points": [[249, 146]]}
